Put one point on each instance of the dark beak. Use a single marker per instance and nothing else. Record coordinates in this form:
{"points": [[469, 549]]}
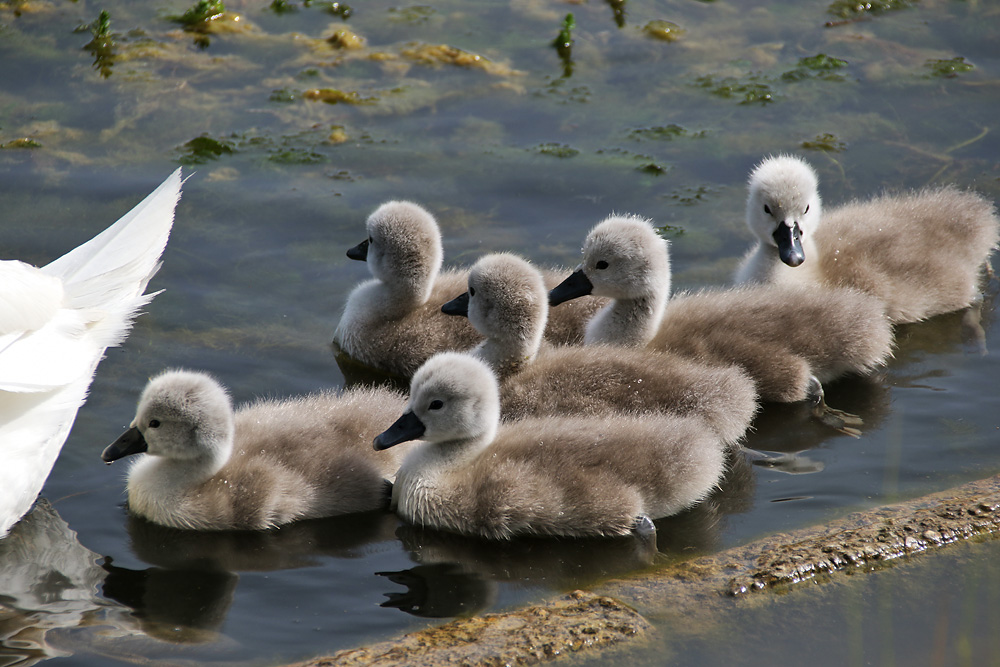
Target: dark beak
{"points": [[359, 252], [130, 442], [457, 306], [577, 285], [789, 240], [408, 427]]}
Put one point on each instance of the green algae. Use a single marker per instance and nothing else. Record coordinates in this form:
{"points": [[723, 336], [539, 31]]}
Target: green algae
{"points": [[847, 9], [826, 143], [556, 150], [948, 68], [820, 66], [103, 45], [665, 31], [754, 89], [664, 133], [200, 14], [204, 149]]}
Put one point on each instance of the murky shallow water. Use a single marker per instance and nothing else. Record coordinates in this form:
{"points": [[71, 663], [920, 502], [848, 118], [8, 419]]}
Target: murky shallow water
{"points": [[255, 273]]}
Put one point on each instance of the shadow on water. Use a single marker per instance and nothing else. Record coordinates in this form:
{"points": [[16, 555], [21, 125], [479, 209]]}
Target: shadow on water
{"points": [[458, 575]]}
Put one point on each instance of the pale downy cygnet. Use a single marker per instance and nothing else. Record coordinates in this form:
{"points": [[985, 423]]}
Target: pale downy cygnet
{"points": [[55, 324], [205, 467], [393, 322], [507, 302], [571, 476], [789, 339], [920, 252]]}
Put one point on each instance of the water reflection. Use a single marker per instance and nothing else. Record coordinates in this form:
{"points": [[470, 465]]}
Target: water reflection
{"points": [[458, 575], [49, 580], [791, 428], [185, 596]]}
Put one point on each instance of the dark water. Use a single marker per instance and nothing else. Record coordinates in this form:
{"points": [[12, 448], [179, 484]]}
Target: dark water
{"points": [[525, 160]]}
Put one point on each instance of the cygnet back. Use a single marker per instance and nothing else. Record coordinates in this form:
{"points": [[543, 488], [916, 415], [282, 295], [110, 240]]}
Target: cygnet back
{"points": [[507, 303]]}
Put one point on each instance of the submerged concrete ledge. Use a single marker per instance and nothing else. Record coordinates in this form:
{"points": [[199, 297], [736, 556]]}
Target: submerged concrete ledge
{"points": [[614, 611]]}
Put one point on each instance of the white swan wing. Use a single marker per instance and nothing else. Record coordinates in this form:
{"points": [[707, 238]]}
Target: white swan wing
{"points": [[55, 323]]}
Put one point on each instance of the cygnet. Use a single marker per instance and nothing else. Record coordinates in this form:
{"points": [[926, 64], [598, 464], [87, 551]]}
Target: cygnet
{"points": [[555, 476], [920, 252], [789, 339], [393, 322], [204, 467], [507, 302]]}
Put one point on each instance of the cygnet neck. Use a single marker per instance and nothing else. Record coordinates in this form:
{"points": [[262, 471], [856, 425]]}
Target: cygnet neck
{"points": [[628, 322]]}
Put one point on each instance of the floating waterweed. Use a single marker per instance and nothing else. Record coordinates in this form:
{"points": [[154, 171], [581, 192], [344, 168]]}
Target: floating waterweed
{"points": [[563, 44], [948, 68], [847, 9], [820, 66], [666, 31], [103, 45], [825, 142]]}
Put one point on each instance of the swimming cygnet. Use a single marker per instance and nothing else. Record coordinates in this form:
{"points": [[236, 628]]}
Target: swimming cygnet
{"points": [[507, 302], [920, 252], [394, 321], [56, 322], [269, 463], [789, 339], [571, 476]]}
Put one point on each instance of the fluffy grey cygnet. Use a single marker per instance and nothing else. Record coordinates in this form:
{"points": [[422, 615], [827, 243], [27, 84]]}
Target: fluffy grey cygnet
{"points": [[507, 302], [569, 476], [920, 252], [789, 339], [393, 322], [204, 467]]}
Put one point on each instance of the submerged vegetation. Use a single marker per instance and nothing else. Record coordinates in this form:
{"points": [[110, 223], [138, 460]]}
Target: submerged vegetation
{"points": [[854, 8], [563, 44], [103, 45]]}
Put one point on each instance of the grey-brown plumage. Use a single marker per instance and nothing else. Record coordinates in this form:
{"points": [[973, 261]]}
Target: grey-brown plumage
{"points": [[782, 336], [920, 252], [393, 322], [270, 463], [572, 476], [787, 338], [508, 304]]}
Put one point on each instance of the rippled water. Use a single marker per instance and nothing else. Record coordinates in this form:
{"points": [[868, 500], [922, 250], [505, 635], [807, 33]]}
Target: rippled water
{"points": [[518, 156]]}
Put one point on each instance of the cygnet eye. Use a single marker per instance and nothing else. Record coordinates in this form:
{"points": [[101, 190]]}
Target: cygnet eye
{"points": [[767, 209], [154, 423], [436, 404], [472, 291], [807, 210], [601, 265]]}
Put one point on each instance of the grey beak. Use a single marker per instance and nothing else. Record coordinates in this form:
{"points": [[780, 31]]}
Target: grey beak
{"points": [[576, 285], [359, 252], [457, 306], [789, 240], [128, 443], [406, 428]]}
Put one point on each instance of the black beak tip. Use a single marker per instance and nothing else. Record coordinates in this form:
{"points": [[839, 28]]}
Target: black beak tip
{"points": [[458, 306], [576, 285], [359, 252]]}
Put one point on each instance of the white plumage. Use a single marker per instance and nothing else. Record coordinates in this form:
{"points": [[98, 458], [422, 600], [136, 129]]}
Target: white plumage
{"points": [[55, 323]]}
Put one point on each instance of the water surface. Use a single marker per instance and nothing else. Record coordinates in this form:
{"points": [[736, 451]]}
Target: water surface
{"points": [[525, 155]]}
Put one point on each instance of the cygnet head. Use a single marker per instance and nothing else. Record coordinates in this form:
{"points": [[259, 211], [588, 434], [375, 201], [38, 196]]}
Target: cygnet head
{"points": [[783, 205], [403, 245], [453, 398], [507, 301], [182, 416], [623, 258]]}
